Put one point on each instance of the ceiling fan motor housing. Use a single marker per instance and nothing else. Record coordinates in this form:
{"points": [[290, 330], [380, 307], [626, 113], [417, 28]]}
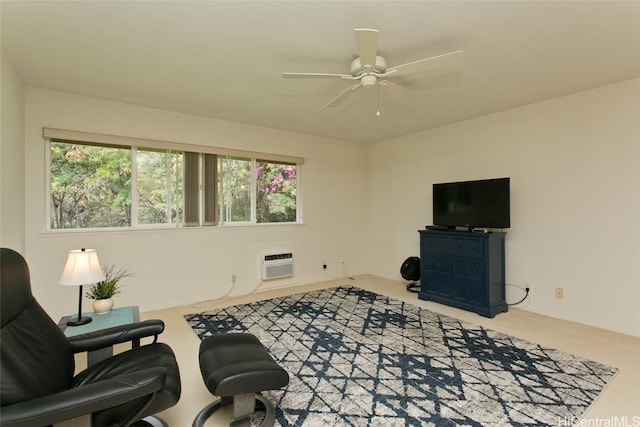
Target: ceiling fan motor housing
{"points": [[379, 68]]}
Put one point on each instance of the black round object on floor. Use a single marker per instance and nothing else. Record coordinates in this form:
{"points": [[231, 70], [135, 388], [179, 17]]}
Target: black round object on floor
{"points": [[410, 270]]}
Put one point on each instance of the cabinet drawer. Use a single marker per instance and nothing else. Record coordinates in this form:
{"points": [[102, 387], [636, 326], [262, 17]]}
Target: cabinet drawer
{"points": [[430, 244], [455, 246], [430, 264], [476, 295], [467, 269], [460, 268], [444, 266], [429, 285], [443, 285], [442, 245], [465, 247], [459, 290], [476, 270], [475, 248], [436, 284]]}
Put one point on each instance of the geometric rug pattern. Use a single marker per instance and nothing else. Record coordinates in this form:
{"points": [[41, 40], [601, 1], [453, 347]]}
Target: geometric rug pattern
{"points": [[357, 358]]}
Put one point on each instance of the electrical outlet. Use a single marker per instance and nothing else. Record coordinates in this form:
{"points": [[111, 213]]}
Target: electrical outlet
{"points": [[560, 293]]}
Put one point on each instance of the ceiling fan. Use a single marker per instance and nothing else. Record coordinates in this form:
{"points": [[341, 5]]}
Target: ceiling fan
{"points": [[370, 70]]}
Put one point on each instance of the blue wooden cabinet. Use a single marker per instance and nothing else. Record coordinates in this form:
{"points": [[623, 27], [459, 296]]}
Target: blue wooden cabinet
{"points": [[464, 270]]}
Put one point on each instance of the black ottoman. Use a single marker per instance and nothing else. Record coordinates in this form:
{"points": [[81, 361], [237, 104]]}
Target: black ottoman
{"points": [[237, 368]]}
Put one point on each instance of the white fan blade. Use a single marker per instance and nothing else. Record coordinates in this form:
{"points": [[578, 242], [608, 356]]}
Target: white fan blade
{"points": [[436, 80], [435, 62], [367, 47], [316, 76], [343, 95], [397, 89]]}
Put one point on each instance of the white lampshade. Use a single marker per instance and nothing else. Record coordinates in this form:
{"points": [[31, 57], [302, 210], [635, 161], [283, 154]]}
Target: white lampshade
{"points": [[82, 268]]}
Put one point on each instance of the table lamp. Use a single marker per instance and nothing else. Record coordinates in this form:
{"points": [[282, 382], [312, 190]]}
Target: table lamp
{"points": [[82, 268]]}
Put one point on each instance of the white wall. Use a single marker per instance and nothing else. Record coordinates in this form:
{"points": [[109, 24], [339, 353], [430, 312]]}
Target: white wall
{"points": [[183, 266], [574, 164], [11, 158]]}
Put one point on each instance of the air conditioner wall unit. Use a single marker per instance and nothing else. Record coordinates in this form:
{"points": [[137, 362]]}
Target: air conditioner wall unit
{"points": [[277, 266]]}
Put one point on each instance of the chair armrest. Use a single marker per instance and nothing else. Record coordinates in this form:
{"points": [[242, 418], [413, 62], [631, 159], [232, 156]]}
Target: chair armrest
{"points": [[118, 334], [83, 400]]}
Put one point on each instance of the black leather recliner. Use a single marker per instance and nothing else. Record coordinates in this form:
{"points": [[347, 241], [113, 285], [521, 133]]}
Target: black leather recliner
{"points": [[38, 386]]}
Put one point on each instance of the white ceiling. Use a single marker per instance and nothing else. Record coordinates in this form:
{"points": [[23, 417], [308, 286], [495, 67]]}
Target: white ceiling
{"points": [[224, 59]]}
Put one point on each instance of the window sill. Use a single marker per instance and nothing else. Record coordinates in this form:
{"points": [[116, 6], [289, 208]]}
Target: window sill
{"points": [[165, 228]]}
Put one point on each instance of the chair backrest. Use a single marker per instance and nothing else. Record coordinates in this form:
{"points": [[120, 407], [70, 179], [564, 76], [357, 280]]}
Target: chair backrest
{"points": [[35, 356]]}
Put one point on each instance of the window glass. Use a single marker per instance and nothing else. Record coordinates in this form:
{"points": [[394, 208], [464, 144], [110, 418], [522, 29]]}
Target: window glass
{"points": [[90, 186], [236, 189], [159, 184], [276, 192]]}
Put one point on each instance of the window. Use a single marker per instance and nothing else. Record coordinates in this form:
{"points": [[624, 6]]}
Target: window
{"points": [[258, 191], [236, 189], [106, 185], [276, 189], [159, 186], [90, 186]]}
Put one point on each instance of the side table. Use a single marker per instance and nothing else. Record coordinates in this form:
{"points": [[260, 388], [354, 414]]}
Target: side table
{"points": [[116, 317]]}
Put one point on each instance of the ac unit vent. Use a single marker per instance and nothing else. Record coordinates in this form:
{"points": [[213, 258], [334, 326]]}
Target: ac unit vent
{"points": [[277, 266]]}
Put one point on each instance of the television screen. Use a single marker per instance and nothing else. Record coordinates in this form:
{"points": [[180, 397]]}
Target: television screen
{"points": [[483, 203]]}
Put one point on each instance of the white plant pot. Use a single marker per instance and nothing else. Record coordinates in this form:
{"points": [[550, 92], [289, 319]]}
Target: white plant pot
{"points": [[102, 306]]}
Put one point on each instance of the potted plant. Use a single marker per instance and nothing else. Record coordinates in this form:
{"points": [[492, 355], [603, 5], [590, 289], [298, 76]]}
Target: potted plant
{"points": [[102, 292]]}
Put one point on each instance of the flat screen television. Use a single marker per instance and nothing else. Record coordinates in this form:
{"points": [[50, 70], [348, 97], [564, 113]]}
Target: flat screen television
{"points": [[483, 203]]}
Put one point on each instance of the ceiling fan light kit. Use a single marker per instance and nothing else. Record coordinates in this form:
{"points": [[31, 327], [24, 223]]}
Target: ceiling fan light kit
{"points": [[368, 81], [370, 69]]}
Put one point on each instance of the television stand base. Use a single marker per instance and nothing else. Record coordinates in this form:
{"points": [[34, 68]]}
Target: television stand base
{"points": [[439, 227]]}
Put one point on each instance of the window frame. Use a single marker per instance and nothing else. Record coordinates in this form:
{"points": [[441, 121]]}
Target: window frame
{"points": [[85, 138]]}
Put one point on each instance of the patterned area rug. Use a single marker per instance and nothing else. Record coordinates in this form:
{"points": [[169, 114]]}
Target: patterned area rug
{"points": [[357, 358]]}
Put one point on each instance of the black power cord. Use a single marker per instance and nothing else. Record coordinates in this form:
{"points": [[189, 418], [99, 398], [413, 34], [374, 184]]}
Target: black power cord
{"points": [[413, 287], [526, 290]]}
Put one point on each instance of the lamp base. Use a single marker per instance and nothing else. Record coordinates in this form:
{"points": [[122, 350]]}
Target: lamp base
{"points": [[79, 321]]}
